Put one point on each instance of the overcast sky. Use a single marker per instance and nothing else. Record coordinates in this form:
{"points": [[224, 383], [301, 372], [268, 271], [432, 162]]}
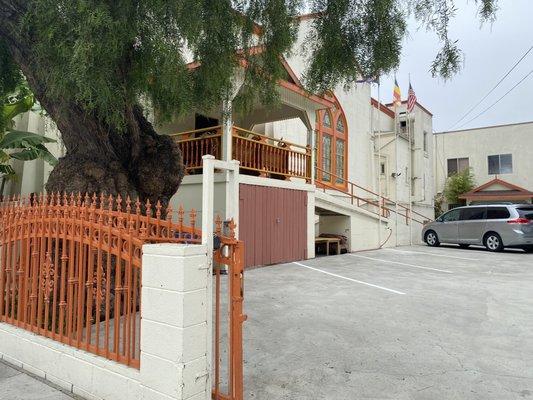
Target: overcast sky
{"points": [[490, 51]]}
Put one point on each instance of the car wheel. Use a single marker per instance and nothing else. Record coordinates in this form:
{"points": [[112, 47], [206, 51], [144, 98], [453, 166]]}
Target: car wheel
{"points": [[432, 239], [493, 242], [464, 246]]}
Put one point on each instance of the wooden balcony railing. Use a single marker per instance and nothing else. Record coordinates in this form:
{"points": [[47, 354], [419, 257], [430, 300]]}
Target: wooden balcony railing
{"points": [[259, 154], [196, 144], [270, 157]]}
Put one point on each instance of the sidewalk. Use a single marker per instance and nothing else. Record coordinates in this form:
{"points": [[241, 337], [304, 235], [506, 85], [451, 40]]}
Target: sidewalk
{"points": [[16, 384]]}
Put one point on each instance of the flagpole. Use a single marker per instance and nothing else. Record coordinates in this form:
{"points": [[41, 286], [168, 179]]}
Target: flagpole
{"points": [[396, 151], [410, 153], [379, 164]]}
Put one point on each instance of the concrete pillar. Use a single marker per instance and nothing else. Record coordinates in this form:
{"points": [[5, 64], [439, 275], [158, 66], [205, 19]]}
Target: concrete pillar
{"points": [[227, 130], [175, 323], [311, 133]]}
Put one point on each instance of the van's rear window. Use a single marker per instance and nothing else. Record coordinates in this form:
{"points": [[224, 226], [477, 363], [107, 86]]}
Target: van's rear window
{"points": [[526, 212]]}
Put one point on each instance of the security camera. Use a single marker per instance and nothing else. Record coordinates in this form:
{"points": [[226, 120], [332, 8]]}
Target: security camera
{"points": [[396, 174]]}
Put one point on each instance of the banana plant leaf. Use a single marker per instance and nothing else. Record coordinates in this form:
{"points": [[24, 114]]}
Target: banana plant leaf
{"points": [[6, 169], [34, 154], [20, 139], [10, 111]]}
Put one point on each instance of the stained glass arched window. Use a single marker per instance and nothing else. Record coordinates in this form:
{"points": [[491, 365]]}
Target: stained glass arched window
{"points": [[340, 124], [327, 120], [332, 146]]}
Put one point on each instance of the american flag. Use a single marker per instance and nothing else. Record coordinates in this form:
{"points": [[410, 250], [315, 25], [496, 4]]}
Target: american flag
{"points": [[411, 99]]}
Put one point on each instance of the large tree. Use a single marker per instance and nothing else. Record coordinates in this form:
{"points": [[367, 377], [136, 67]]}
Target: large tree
{"points": [[94, 64]]}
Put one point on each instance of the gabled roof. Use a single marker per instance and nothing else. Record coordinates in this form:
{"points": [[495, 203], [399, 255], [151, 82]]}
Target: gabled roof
{"points": [[503, 190], [291, 83]]}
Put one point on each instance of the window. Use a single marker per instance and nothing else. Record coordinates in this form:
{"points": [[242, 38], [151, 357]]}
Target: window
{"points": [[497, 213], [456, 165], [525, 212], [403, 127], [451, 216], [326, 156], [339, 160], [425, 141], [332, 143], [500, 164], [382, 168], [340, 125], [327, 120], [471, 214]]}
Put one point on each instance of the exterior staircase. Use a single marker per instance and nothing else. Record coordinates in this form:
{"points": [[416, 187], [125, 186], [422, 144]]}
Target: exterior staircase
{"points": [[367, 201]]}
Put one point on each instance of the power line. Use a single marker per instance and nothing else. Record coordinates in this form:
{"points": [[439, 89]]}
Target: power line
{"points": [[492, 90], [497, 101]]}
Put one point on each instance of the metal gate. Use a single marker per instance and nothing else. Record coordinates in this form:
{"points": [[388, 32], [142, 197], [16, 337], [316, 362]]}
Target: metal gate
{"points": [[272, 224], [70, 270], [228, 373]]}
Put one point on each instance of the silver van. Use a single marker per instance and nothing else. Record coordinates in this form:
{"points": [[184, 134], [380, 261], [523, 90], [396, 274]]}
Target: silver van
{"points": [[494, 226]]}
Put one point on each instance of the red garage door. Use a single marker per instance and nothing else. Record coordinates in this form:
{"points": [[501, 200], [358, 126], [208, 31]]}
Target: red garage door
{"points": [[272, 224]]}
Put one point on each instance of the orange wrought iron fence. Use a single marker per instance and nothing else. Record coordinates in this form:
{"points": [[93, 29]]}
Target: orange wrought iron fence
{"points": [[70, 270], [228, 374]]}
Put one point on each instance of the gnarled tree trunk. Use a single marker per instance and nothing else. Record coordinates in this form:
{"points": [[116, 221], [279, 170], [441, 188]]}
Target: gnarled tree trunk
{"points": [[135, 161]]}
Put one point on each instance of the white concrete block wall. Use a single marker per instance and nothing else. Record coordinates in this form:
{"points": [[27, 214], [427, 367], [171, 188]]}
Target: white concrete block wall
{"points": [[174, 340], [77, 371], [174, 323]]}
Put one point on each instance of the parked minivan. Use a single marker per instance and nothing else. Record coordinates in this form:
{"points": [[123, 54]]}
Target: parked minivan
{"points": [[494, 226]]}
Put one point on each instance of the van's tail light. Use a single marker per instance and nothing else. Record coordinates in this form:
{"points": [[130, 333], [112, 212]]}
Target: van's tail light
{"points": [[519, 221]]}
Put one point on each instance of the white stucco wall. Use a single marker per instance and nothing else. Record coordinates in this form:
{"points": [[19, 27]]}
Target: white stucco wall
{"points": [[478, 144]]}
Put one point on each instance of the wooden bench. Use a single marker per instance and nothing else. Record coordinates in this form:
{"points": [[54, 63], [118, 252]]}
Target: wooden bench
{"points": [[319, 240]]}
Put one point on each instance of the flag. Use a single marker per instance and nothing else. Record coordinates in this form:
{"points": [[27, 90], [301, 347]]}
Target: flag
{"points": [[396, 95], [411, 99]]}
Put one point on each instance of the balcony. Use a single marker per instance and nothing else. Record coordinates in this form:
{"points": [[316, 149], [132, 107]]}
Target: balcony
{"points": [[259, 155]]}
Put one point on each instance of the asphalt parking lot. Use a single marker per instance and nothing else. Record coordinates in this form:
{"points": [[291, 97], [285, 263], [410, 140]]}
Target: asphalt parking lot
{"points": [[407, 323]]}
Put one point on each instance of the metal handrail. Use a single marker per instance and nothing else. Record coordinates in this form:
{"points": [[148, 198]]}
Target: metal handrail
{"points": [[381, 200]]}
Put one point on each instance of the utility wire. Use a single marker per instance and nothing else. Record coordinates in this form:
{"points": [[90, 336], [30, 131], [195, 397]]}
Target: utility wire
{"points": [[497, 101], [492, 90]]}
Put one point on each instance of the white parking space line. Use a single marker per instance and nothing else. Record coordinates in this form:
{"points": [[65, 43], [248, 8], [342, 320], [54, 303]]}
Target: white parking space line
{"points": [[349, 279], [401, 263], [432, 254]]}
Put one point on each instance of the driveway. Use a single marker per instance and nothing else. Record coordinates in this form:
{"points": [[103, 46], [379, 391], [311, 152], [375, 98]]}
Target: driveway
{"points": [[407, 323]]}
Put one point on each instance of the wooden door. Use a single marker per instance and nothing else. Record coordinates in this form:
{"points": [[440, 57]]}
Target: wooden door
{"points": [[272, 224]]}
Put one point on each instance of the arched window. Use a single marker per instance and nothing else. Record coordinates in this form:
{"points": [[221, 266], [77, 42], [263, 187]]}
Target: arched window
{"points": [[331, 145], [327, 119], [340, 125]]}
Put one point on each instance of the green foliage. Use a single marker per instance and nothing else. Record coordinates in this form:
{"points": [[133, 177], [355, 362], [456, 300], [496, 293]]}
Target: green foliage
{"points": [[354, 38], [438, 202], [458, 184], [19, 145], [105, 55], [13, 89]]}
